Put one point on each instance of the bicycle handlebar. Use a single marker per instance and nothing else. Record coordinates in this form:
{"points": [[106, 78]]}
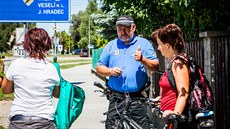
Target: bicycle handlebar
{"points": [[149, 100], [175, 117], [107, 91], [99, 85], [171, 117]]}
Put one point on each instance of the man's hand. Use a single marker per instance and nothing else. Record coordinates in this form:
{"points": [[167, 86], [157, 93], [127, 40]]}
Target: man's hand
{"points": [[138, 54], [115, 71]]}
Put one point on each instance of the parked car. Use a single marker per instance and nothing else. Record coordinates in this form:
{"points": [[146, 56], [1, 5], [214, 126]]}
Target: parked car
{"points": [[77, 51], [84, 53]]}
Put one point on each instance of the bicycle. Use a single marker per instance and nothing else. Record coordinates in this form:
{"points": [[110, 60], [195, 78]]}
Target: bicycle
{"points": [[125, 122]]}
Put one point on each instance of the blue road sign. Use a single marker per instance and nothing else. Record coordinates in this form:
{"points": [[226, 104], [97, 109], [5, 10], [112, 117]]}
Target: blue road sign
{"points": [[34, 10]]}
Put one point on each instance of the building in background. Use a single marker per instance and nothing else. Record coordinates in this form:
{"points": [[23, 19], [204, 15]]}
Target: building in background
{"points": [[18, 49]]}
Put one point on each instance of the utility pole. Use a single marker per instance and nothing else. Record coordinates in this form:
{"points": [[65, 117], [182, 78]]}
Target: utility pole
{"points": [[89, 37], [26, 27], [55, 40], [69, 44]]}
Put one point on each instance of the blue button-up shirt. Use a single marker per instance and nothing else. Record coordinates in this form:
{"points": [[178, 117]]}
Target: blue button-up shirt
{"points": [[134, 74]]}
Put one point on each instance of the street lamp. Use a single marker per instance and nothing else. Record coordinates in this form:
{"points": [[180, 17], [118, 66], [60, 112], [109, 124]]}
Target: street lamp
{"points": [[55, 39]]}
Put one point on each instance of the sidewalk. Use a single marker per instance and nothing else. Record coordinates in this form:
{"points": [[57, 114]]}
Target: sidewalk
{"points": [[94, 105]]}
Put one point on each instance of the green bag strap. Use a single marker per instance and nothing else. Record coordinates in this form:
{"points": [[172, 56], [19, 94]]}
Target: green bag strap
{"points": [[57, 66]]}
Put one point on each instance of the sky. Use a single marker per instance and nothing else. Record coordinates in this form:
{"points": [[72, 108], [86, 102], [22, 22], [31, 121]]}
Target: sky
{"points": [[76, 6]]}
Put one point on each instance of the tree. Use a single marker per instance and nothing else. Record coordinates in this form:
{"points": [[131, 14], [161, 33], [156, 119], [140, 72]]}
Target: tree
{"points": [[75, 23], [65, 40], [8, 35], [82, 26], [193, 16], [105, 23]]}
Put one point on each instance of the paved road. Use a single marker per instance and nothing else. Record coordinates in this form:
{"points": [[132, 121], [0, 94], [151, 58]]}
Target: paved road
{"points": [[94, 106]]}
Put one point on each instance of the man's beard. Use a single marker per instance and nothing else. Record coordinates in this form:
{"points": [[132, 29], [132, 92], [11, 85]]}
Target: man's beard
{"points": [[127, 39]]}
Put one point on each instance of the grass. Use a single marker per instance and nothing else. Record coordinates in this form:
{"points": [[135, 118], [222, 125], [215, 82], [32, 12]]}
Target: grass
{"points": [[6, 96], [72, 65], [5, 55], [1, 127], [74, 61]]}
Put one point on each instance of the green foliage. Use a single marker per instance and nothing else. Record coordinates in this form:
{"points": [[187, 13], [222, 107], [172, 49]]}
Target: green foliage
{"points": [[6, 31], [75, 23], [83, 26], [83, 42], [105, 23], [193, 16], [8, 35], [65, 40], [101, 43], [1, 127], [2, 74]]}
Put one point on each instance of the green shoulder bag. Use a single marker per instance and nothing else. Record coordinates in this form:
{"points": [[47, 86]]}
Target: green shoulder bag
{"points": [[70, 103]]}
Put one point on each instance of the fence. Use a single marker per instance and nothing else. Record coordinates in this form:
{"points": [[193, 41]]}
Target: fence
{"points": [[211, 51], [220, 80]]}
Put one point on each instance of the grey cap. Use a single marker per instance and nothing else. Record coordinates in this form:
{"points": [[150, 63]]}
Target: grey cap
{"points": [[125, 20]]}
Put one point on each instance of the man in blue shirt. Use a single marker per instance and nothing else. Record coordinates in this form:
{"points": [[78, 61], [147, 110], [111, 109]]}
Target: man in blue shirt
{"points": [[126, 61]]}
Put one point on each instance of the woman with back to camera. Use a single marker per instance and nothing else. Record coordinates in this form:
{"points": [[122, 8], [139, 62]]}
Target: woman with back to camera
{"points": [[34, 81], [171, 44]]}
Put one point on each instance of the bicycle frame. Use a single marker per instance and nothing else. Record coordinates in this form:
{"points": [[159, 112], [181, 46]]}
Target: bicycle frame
{"points": [[125, 122]]}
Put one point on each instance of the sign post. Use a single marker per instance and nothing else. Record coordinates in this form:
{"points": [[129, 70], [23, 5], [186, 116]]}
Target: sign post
{"points": [[34, 11]]}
